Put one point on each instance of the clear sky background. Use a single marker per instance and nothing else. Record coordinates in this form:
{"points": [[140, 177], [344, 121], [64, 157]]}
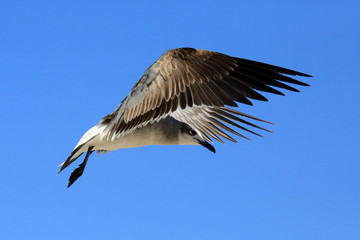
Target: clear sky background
{"points": [[66, 64]]}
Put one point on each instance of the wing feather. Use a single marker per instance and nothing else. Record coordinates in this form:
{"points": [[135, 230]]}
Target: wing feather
{"points": [[195, 87]]}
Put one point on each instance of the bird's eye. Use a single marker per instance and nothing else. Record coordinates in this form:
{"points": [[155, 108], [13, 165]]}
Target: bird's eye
{"points": [[192, 132]]}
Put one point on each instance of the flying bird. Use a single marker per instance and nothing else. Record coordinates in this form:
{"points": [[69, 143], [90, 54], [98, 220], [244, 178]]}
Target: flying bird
{"points": [[185, 98]]}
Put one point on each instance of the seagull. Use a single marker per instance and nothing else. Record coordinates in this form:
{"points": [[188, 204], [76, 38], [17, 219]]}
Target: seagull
{"points": [[186, 97]]}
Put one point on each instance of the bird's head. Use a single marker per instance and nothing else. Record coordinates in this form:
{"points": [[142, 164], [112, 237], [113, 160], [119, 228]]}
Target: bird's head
{"points": [[189, 136]]}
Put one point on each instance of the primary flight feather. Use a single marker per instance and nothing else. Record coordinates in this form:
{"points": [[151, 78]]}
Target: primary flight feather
{"points": [[184, 98]]}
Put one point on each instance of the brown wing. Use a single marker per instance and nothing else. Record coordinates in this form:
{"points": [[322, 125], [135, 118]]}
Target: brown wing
{"points": [[185, 82]]}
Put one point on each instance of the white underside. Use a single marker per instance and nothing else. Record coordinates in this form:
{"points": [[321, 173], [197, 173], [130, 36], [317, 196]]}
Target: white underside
{"points": [[144, 136], [140, 137], [165, 132]]}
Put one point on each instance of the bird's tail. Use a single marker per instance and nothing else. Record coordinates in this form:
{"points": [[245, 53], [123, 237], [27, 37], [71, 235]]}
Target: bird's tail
{"points": [[83, 145], [73, 156]]}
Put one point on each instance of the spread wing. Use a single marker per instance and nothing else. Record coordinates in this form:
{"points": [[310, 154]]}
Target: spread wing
{"points": [[196, 87]]}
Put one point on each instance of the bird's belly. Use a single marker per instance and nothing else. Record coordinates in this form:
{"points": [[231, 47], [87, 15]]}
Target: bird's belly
{"points": [[138, 138]]}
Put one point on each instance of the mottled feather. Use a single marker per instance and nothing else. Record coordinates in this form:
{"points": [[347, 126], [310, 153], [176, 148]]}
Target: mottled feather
{"points": [[186, 82]]}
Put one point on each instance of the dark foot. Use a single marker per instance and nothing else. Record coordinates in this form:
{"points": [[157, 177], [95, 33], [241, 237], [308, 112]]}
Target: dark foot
{"points": [[76, 174], [79, 171]]}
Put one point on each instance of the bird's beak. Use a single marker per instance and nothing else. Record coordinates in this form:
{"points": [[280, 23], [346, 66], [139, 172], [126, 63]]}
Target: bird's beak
{"points": [[207, 145]]}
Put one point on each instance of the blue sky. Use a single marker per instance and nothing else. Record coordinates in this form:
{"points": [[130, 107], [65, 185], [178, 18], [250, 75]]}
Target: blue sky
{"points": [[66, 64]]}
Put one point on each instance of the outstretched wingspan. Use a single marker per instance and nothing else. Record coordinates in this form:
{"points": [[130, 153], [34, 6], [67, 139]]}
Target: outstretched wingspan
{"points": [[198, 87]]}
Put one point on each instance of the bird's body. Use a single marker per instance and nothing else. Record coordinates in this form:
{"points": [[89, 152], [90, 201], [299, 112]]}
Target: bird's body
{"points": [[164, 132], [182, 99]]}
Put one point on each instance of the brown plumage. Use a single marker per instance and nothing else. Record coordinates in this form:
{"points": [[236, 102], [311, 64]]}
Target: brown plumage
{"points": [[186, 77], [185, 98]]}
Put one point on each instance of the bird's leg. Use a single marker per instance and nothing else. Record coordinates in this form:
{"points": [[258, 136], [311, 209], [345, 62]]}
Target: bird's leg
{"points": [[79, 171]]}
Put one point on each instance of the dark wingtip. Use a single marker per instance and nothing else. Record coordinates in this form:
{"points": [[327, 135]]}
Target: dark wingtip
{"points": [[303, 74]]}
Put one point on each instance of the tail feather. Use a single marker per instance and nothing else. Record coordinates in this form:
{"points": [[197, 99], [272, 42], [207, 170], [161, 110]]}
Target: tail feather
{"points": [[82, 146], [73, 156]]}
